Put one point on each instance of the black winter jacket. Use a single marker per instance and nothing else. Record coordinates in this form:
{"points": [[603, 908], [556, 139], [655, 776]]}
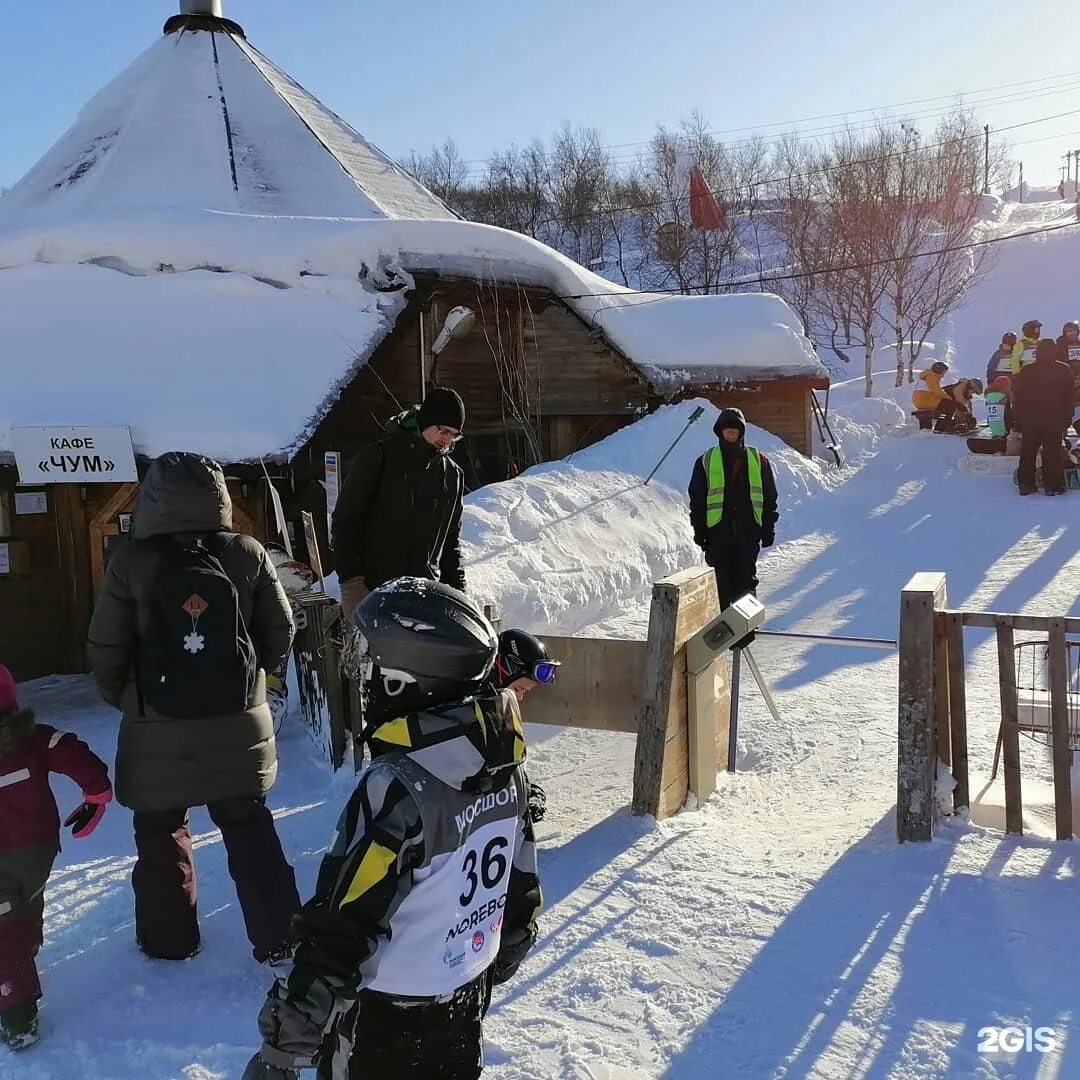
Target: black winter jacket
{"points": [[164, 763], [399, 511], [1043, 396]]}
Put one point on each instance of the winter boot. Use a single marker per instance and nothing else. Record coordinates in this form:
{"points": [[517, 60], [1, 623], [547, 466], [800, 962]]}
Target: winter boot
{"points": [[19, 1026]]}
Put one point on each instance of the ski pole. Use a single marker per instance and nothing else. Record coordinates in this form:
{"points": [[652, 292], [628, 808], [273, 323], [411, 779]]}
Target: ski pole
{"points": [[695, 415]]}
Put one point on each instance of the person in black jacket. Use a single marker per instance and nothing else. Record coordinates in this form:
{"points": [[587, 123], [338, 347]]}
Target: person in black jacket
{"points": [[1042, 400], [399, 512], [733, 507], [1001, 360]]}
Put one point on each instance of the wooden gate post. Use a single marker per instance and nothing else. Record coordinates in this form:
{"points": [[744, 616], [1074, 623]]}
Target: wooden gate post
{"points": [[917, 748]]}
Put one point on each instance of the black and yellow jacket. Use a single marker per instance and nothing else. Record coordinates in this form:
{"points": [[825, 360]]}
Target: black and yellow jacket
{"points": [[431, 878]]}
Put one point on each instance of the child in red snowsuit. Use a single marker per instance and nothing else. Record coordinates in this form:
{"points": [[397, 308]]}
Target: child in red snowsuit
{"points": [[29, 842]]}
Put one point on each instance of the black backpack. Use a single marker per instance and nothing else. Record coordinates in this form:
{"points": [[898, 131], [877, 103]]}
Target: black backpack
{"points": [[196, 658]]}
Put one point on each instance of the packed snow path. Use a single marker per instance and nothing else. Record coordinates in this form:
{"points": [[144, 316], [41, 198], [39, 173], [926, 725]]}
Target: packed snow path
{"points": [[777, 932]]}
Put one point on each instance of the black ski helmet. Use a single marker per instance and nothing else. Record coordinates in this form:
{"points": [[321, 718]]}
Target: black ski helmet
{"points": [[422, 643], [939, 367], [1070, 326], [1031, 328], [520, 657]]}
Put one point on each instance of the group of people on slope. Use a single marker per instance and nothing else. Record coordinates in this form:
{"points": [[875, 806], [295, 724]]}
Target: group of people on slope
{"points": [[1032, 395], [429, 895]]}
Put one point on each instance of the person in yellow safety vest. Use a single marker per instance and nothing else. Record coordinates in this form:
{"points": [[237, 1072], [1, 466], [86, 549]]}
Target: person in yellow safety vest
{"points": [[1024, 350], [733, 507]]}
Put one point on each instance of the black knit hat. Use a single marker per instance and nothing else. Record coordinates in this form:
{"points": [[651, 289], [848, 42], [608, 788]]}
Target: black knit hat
{"points": [[442, 407]]}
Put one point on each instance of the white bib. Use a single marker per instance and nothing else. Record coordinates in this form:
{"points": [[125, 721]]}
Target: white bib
{"points": [[448, 929]]}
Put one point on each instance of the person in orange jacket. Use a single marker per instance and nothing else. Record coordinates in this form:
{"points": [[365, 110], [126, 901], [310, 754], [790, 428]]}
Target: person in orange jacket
{"points": [[930, 396]]}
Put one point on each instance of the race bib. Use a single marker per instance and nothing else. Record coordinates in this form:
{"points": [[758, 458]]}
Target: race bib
{"points": [[1074, 354]]}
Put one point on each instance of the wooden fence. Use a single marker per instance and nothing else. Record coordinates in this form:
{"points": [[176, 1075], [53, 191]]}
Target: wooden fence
{"points": [[680, 710], [933, 707]]}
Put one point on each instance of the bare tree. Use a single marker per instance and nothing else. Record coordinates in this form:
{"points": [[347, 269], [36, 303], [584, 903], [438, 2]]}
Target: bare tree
{"points": [[444, 171]]}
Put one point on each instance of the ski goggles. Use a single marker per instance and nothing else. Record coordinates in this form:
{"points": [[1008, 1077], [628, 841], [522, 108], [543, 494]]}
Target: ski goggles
{"points": [[545, 672]]}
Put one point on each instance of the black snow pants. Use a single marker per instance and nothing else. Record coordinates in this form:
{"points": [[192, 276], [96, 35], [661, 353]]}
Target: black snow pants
{"points": [[166, 921], [1049, 440], [388, 1038], [733, 555]]}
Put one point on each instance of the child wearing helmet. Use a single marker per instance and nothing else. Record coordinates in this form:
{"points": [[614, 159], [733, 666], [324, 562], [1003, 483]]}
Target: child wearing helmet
{"points": [[1001, 360], [1024, 350], [523, 664], [930, 397], [429, 894]]}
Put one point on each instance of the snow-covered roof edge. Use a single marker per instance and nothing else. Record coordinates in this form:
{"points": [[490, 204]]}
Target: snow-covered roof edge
{"points": [[738, 336]]}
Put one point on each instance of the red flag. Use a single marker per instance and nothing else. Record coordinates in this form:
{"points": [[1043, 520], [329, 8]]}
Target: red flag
{"points": [[705, 211]]}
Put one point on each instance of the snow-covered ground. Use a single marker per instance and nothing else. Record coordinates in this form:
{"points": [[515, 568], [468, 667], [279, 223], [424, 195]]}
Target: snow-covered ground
{"points": [[778, 931]]}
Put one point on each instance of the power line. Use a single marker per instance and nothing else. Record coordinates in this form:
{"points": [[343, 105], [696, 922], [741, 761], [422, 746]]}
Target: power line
{"points": [[849, 112], [723, 194], [762, 279]]}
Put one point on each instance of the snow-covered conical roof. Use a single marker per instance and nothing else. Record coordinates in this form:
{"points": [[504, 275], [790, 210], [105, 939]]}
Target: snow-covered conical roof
{"points": [[202, 120]]}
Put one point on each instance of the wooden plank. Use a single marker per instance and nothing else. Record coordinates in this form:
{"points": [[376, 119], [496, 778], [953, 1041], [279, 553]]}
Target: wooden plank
{"points": [[917, 760], [678, 700], [989, 620], [958, 710], [72, 544], [1014, 815], [599, 685], [656, 691], [705, 696], [942, 730], [1059, 722], [698, 606]]}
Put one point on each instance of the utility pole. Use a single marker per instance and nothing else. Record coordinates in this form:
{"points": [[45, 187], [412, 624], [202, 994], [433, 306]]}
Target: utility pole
{"points": [[1076, 174], [986, 160], [1021, 181]]}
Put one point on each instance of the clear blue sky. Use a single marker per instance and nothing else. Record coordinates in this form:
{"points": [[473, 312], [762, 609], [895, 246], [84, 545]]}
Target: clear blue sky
{"points": [[491, 72]]}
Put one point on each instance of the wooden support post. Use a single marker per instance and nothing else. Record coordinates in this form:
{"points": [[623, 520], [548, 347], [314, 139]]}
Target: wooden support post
{"points": [[942, 729], [1010, 731], [958, 709], [658, 678], [1059, 722], [917, 756]]}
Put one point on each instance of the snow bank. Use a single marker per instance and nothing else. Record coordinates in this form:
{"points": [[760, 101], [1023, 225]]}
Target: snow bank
{"points": [[213, 362], [574, 547]]}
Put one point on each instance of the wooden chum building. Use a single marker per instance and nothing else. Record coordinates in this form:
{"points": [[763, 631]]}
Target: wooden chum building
{"points": [[213, 260]]}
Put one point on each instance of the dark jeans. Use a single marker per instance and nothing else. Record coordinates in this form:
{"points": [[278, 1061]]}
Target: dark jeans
{"points": [[383, 1038], [166, 920], [23, 876], [1053, 465]]}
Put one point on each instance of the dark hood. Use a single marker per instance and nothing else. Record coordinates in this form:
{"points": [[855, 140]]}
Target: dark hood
{"points": [[466, 746], [16, 728], [182, 493], [730, 418]]}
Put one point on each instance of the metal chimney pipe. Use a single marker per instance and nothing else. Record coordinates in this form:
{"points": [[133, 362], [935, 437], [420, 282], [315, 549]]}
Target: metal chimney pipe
{"points": [[201, 7]]}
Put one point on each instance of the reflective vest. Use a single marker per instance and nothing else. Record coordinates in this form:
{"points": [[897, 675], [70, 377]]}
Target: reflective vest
{"points": [[713, 463], [995, 413]]}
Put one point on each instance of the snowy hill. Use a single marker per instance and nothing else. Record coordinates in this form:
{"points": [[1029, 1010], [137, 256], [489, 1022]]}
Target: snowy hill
{"points": [[779, 930]]}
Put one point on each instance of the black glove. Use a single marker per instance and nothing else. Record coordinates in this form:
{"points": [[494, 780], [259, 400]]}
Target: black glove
{"points": [[513, 949], [768, 539], [701, 541], [537, 802], [257, 1069]]}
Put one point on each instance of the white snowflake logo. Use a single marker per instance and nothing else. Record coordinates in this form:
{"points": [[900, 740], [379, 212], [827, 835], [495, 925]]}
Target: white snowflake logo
{"points": [[194, 643]]}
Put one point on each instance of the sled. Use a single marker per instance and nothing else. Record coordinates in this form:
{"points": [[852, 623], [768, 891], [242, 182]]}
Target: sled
{"points": [[987, 464]]}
